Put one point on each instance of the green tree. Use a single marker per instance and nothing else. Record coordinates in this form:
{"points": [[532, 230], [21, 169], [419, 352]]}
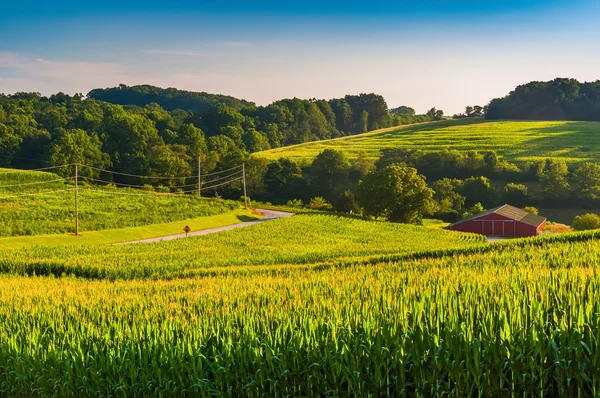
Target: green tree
{"points": [[397, 193], [283, 180], [477, 189], [255, 141], [587, 178], [9, 144], [516, 194], [170, 161], [256, 167], [475, 209], [347, 203], [193, 139], [447, 197], [329, 173], [553, 179], [76, 146]]}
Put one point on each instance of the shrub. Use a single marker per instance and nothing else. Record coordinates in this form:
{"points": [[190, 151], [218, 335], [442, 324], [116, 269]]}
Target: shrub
{"points": [[319, 203], [163, 189], [531, 209], [586, 221], [295, 203]]}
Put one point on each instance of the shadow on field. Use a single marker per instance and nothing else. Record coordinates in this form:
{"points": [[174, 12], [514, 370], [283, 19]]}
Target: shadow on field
{"points": [[244, 218], [428, 126], [572, 139]]}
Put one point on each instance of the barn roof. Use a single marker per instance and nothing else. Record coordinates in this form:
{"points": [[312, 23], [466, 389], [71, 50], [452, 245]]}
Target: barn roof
{"points": [[510, 212]]}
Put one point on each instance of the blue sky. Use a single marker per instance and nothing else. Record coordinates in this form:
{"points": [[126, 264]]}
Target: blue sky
{"points": [[446, 54]]}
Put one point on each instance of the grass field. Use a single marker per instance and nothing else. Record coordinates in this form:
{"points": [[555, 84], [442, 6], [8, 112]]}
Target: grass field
{"points": [[100, 208], [482, 321], [516, 141], [302, 240]]}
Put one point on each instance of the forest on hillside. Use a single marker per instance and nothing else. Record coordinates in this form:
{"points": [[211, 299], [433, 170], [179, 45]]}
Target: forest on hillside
{"points": [[558, 99], [149, 139]]}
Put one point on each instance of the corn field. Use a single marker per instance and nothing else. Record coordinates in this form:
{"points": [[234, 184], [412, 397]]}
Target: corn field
{"points": [[486, 321]]}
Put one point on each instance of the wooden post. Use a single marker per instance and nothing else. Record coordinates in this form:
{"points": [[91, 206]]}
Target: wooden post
{"points": [[199, 176], [244, 177], [76, 201]]}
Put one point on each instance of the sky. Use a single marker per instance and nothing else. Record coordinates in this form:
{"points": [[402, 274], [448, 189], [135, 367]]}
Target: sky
{"points": [[423, 54]]}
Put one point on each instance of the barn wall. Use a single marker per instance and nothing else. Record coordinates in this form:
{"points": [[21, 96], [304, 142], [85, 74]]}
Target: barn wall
{"points": [[511, 227], [485, 227]]}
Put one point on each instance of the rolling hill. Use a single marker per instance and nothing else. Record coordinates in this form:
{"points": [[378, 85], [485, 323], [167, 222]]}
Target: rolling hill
{"points": [[515, 140]]}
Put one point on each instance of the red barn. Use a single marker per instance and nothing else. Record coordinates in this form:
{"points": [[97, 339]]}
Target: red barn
{"points": [[502, 221]]}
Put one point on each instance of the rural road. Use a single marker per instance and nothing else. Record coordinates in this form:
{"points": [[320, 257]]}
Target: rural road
{"points": [[269, 215]]}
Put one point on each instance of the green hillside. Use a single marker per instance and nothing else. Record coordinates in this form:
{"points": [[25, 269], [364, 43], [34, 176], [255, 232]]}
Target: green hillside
{"points": [[34, 203], [516, 141]]}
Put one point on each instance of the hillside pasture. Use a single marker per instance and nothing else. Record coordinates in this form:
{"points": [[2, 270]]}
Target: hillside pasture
{"points": [[23, 211], [514, 140]]}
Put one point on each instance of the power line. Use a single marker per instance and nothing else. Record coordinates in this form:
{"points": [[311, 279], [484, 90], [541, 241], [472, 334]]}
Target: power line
{"points": [[222, 171], [226, 182], [140, 176], [222, 178], [135, 186], [138, 194]]}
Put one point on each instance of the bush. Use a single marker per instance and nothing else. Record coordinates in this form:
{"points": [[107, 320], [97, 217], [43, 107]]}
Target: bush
{"points": [[295, 203], [163, 189], [586, 221], [319, 203], [531, 209]]}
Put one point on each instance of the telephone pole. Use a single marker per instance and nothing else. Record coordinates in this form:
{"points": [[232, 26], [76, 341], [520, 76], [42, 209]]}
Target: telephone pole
{"points": [[244, 176], [199, 176], [76, 201]]}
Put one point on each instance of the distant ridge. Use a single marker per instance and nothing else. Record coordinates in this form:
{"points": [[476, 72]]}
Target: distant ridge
{"points": [[169, 98]]}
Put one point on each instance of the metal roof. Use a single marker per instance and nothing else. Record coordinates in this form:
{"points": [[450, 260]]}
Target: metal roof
{"points": [[510, 212]]}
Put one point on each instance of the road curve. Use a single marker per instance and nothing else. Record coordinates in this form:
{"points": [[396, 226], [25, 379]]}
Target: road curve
{"points": [[269, 215]]}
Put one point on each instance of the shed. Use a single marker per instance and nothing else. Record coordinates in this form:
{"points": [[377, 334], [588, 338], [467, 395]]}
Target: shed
{"points": [[505, 220]]}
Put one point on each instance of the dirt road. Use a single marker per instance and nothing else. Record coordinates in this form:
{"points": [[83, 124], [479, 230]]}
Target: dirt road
{"points": [[269, 215]]}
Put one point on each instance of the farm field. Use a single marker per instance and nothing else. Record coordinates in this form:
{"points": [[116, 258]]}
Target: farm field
{"points": [[127, 234], [485, 320], [23, 212], [303, 240], [514, 140]]}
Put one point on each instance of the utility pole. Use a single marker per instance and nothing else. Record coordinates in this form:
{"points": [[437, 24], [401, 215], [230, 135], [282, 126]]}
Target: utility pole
{"points": [[76, 201], [199, 176], [244, 176]]}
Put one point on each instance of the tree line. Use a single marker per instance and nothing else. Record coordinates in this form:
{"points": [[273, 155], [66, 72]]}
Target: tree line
{"points": [[405, 185], [558, 99], [145, 139]]}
